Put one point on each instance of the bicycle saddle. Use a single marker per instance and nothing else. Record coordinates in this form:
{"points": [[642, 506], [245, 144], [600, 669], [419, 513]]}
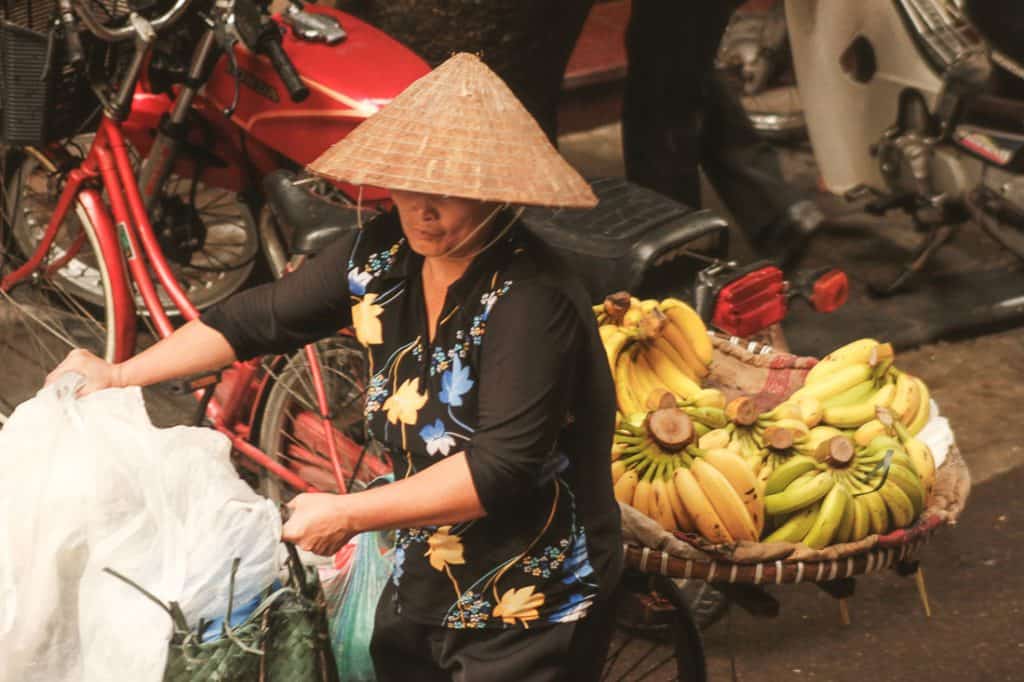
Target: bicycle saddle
{"points": [[310, 222], [634, 239]]}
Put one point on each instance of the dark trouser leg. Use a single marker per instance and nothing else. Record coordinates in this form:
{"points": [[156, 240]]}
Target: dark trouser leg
{"points": [[565, 652], [401, 649]]}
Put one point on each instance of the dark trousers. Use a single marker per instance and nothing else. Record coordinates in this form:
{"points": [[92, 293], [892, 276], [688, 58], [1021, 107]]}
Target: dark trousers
{"points": [[678, 116], [403, 650]]}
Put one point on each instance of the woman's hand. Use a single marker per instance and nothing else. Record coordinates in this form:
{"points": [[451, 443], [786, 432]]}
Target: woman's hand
{"points": [[98, 373], [317, 523]]}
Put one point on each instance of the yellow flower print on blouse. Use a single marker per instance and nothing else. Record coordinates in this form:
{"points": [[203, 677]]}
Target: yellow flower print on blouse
{"points": [[444, 549], [521, 605], [405, 403], [366, 320]]}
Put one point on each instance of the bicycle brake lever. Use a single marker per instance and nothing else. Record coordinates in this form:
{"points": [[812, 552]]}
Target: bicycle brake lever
{"points": [[226, 40]]}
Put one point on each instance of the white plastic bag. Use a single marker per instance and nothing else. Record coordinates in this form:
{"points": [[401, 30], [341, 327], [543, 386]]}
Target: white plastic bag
{"points": [[89, 484]]}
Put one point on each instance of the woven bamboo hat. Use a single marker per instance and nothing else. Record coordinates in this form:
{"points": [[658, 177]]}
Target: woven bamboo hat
{"points": [[457, 131]]}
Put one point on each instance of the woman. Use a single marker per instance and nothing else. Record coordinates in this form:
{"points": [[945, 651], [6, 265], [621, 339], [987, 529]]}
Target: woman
{"points": [[489, 386]]}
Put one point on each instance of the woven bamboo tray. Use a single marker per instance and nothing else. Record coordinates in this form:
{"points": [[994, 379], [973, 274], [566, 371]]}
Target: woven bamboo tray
{"points": [[745, 367]]}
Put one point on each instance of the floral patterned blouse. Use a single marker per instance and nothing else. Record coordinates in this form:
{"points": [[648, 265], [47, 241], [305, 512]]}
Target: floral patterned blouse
{"points": [[515, 378]]}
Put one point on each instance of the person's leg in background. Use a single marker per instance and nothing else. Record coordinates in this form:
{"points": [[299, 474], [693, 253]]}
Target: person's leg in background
{"points": [[678, 117]]}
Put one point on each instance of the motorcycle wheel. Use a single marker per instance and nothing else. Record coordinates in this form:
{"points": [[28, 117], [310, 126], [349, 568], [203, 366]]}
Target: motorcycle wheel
{"points": [[218, 265], [290, 429]]}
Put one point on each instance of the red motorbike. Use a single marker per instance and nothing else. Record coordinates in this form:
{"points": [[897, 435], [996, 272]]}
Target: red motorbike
{"points": [[227, 97]]}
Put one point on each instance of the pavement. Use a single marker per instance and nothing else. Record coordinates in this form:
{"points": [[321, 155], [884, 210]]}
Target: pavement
{"points": [[951, 330]]}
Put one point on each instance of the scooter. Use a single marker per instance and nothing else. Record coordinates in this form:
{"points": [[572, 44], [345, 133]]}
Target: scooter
{"points": [[917, 106]]}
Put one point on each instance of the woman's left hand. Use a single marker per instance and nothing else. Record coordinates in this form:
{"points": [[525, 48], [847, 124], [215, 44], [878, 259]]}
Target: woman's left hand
{"points": [[317, 523]]}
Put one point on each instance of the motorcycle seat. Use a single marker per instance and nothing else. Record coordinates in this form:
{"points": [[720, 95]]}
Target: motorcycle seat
{"points": [[634, 240], [310, 222]]}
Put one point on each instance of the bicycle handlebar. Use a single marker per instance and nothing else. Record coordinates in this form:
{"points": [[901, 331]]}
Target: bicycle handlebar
{"points": [[110, 35], [286, 70]]}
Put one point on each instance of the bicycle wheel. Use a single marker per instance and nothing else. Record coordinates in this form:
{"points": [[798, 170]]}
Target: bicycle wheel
{"points": [[44, 318], [291, 430], [205, 232], [663, 644]]}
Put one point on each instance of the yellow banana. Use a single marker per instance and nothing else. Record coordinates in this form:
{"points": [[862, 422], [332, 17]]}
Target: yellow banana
{"points": [[924, 463], [844, 533], [662, 344], [683, 520], [811, 411], [855, 415], [670, 375], [642, 498], [909, 482], [829, 518], [687, 319], [878, 514], [626, 486], [708, 397], [868, 431], [662, 508], [715, 439], [725, 500], [924, 410], [861, 521], [642, 378], [697, 505], [677, 338], [614, 339], [618, 469], [854, 351], [785, 410], [835, 382], [854, 395], [901, 509], [742, 480], [628, 403], [799, 494], [907, 398], [796, 526]]}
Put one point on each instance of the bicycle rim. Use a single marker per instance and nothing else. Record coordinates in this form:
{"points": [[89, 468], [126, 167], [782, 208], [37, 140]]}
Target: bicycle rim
{"points": [[43, 318], [221, 263], [292, 433]]}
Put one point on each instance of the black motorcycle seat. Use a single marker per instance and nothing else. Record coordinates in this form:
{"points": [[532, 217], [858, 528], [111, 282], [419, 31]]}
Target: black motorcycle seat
{"points": [[631, 235], [310, 222]]}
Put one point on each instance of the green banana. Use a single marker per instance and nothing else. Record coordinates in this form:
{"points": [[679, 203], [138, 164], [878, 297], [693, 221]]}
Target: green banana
{"points": [[788, 472], [799, 494], [795, 527], [833, 507], [900, 507], [908, 481]]}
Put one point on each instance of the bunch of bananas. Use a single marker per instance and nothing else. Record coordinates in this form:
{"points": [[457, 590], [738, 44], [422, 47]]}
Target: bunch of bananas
{"points": [[853, 381], [844, 492], [653, 346], [710, 492]]}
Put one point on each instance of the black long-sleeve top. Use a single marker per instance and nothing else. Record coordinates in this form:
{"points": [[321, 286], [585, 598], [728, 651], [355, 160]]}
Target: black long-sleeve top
{"points": [[515, 377]]}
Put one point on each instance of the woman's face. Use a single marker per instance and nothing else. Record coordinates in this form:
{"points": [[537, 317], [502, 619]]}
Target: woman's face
{"points": [[434, 225]]}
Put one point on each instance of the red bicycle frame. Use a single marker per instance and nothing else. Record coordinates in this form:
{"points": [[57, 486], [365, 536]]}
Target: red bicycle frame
{"points": [[127, 238]]}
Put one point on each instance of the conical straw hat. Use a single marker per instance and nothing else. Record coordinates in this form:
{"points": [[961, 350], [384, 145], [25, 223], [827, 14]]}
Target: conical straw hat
{"points": [[457, 131]]}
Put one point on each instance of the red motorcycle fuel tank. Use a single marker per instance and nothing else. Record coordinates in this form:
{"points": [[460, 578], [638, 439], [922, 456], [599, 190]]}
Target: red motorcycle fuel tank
{"points": [[348, 82]]}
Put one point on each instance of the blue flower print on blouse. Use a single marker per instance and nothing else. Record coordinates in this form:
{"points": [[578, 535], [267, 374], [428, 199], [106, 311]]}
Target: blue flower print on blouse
{"points": [[577, 566], [396, 569], [455, 383], [357, 281], [576, 606], [436, 438]]}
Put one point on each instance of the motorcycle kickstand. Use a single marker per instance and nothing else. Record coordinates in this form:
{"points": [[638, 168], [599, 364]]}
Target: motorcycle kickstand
{"points": [[936, 237]]}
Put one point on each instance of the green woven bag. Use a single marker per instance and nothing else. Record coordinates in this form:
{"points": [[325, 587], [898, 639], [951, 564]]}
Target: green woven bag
{"points": [[284, 639]]}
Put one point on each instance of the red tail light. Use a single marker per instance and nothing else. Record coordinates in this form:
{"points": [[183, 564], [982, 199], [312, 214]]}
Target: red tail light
{"points": [[830, 291], [751, 303]]}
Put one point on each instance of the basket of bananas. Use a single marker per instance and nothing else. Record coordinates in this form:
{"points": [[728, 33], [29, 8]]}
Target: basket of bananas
{"points": [[731, 460]]}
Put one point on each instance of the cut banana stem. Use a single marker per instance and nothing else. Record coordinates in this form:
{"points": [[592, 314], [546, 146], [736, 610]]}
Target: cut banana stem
{"points": [[670, 428], [779, 437], [742, 411], [838, 451]]}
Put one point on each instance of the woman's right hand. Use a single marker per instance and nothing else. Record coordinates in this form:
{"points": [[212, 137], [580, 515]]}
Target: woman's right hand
{"points": [[98, 373]]}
